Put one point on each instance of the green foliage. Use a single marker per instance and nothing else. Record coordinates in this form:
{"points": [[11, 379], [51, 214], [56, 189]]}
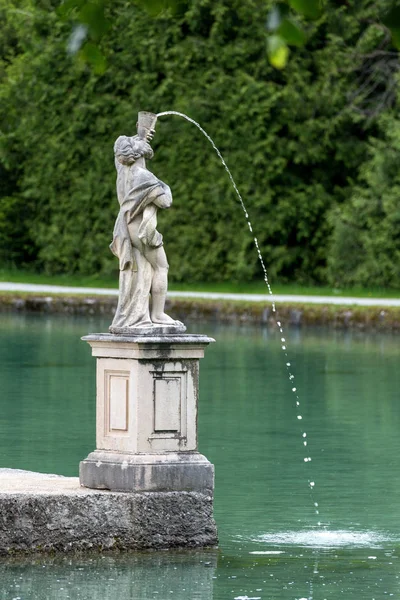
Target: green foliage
{"points": [[292, 138], [392, 21], [365, 246], [90, 20], [308, 8], [91, 24]]}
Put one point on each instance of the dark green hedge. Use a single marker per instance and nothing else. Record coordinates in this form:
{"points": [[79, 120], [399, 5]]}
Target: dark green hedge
{"points": [[305, 149]]}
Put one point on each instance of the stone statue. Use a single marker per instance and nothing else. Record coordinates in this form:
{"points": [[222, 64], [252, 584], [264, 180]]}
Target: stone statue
{"points": [[136, 241]]}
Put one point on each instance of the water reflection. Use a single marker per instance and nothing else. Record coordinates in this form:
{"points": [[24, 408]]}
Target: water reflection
{"points": [[107, 577], [290, 574]]}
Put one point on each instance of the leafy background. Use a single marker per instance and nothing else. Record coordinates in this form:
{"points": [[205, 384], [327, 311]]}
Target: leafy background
{"points": [[314, 147]]}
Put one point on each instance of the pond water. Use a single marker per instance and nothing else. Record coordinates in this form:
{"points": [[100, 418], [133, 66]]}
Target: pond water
{"points": [[271, 545]]}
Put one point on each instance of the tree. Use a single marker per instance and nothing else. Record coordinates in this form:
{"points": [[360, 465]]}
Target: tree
{"points": [[294, 138], [365, 246], [287, 24]]}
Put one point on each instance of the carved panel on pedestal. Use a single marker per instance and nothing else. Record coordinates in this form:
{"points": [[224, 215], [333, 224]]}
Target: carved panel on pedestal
{"points": [[169, 404], [116, 402]]}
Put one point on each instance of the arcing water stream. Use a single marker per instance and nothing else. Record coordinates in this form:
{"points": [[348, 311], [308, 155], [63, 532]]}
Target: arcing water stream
{"points": [[307, 459]]}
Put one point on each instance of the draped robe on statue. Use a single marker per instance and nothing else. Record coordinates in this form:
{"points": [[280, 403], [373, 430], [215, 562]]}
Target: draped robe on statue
{"points": [[139, 194]]}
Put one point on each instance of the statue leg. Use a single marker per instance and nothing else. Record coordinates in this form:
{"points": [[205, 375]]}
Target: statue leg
{"points": [[158, 260], [133, 299]]}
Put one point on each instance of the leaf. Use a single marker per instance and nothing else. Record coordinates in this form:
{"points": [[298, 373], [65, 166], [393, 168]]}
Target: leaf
{"points": [[92, 15], [308, 8], [278, 51], [277, 13], [395, 31], [292, 33], [91, 54], [392, 22], [68, 6]]}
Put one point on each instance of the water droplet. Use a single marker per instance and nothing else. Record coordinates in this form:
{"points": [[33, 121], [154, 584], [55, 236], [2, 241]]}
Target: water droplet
{"points": [[312, 484], [297, 403], [283, 340], [283, 347], [305, 443], [294, 389], [304, 435], [299, 417], [315, 503], [288, 364]]}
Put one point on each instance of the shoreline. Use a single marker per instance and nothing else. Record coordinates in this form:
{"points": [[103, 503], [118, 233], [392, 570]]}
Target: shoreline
{"points": [[336, 316]]}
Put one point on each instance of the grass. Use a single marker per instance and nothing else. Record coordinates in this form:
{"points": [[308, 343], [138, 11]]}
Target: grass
{"points": [[256, 287], [70, 280]]}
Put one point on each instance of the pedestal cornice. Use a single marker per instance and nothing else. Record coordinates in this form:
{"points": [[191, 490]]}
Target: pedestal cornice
{"points": [[147, 346]]}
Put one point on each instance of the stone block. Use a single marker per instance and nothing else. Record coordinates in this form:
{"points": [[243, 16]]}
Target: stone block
{"points": [[43, 513]]}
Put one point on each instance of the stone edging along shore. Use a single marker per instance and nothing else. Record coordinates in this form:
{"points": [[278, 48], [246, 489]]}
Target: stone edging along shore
{"points": [[223, 311]]}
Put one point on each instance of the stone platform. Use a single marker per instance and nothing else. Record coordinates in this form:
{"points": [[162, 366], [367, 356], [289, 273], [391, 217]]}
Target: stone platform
{"points": [[45, 513]]}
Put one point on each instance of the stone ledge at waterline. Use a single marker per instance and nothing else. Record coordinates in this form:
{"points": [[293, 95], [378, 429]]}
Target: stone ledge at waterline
{"points": [[51, 513], [222, 311]]}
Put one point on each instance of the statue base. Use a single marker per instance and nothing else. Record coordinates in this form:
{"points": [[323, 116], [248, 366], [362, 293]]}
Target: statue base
{"points": [[146, 431], [151, 331], [169, 472]]}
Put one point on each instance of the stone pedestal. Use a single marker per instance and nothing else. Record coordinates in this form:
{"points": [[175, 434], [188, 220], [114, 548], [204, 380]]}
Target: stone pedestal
{"points": [[146, 430]]}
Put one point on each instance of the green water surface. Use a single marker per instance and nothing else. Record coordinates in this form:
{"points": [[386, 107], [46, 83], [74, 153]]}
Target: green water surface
{"points": [[273, 545]]}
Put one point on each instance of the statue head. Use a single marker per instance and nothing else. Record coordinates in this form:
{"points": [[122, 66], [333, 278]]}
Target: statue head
{"points": [[128, 149]]}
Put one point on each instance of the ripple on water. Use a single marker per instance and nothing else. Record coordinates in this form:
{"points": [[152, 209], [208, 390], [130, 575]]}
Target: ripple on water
{"points": [[324, 538]]}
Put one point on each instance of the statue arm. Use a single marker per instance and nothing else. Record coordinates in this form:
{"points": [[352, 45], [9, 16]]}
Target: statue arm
{"points": [[162, 196]]}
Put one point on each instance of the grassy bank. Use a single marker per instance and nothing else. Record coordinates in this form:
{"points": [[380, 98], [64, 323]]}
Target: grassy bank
{"points": [[257, 287], [223, 311]]}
